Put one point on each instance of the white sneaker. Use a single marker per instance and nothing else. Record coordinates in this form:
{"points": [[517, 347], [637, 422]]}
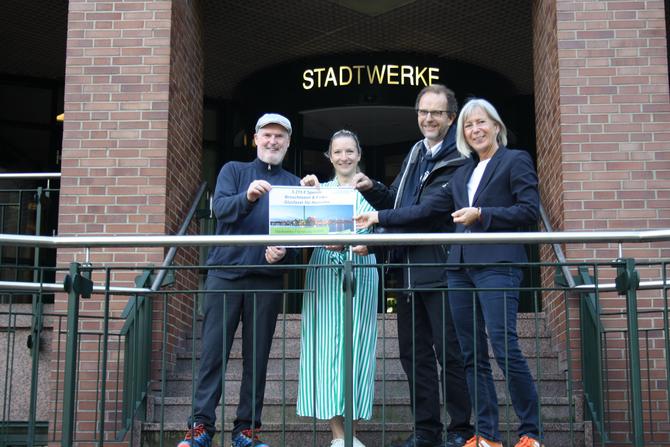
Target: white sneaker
{"points": [[339, 442]]}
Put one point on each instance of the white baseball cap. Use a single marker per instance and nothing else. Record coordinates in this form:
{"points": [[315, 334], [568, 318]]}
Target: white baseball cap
{"points": [[273, 118]]}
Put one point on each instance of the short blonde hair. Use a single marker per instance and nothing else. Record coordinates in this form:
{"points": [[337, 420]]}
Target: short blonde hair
{"points": [[482, 104]]}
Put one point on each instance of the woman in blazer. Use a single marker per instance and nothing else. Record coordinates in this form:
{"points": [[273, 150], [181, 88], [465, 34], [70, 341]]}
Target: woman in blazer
{"points": [[497, 191]]}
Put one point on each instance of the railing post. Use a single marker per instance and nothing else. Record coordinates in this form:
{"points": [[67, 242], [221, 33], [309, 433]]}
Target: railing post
{"points": [[75, 285], [627, 282], [348, 284], [103, 375], [36, 326], [591, 351], [136, 332]]}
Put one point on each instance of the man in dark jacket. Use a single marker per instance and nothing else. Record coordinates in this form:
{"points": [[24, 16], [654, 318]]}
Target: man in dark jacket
{"points": [[425, 326], [240, 204]]}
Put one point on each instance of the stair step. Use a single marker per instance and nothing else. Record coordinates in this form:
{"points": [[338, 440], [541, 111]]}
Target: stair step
{"points": [[391, 395], [391, 365], [395, 384], [291, 347], [386, 327], [371, 433], [394, 409]]}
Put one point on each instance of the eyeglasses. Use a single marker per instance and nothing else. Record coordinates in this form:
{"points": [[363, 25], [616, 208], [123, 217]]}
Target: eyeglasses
{"points": [[434, 113]]}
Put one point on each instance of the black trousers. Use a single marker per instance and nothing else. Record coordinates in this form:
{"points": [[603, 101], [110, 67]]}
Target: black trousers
{"points": [[432, 335], [260, 308]]}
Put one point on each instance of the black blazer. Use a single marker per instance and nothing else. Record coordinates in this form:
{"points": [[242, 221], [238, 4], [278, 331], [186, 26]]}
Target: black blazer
{"points": [[508, 198]]}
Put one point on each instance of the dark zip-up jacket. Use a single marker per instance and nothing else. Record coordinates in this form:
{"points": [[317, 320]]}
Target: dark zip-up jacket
{"points": [[399, 217], [235, 215]]}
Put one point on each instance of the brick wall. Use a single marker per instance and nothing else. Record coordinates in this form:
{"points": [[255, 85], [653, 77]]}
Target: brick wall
{"points": [[614, 139], [183, 166], [549, 159], [614, 119], [130, 161]]}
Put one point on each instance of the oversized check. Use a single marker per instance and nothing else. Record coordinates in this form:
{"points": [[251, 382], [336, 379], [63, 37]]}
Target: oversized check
{"points": [[312, 210]]}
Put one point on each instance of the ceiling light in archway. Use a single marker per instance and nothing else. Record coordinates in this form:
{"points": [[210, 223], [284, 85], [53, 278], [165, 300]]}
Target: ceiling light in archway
{"points": [[372, 8]]}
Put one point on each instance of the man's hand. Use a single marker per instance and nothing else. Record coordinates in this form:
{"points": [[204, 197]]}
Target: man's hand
{"points": [[366, 220], [361, 182], [309, 180], [274, 254], [467, 216], [256, 189], [334, 247]]}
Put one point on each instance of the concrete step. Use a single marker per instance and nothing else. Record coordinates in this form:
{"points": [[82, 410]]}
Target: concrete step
{"points": [[395, 384], [389, 345], [277, 364], [371, 433], [390, 409], [528, 326], [282, 427]]}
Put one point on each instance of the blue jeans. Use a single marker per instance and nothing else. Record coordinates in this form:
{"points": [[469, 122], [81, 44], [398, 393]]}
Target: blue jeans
{"points": [[495, 312]]}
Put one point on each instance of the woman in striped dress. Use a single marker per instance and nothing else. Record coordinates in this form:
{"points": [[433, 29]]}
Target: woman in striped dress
{"points": [[322, 339]]}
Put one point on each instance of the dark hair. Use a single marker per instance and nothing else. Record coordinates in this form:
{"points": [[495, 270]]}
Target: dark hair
{"points": [[440, 89], [344, 133]]}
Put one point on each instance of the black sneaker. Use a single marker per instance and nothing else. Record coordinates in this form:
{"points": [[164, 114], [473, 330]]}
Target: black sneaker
{"points": [[455, 440], [417, 440]]}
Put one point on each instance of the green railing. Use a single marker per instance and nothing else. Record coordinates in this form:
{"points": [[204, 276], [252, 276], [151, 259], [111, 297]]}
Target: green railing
{"points": [[28, 203], [592, 368], [34, 395], [137, 334], [128, 361], [642, 347], [137, 330]]}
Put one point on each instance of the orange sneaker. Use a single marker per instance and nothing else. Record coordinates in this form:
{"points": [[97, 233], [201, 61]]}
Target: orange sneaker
{"points": [[527, 441], [480, 441]]}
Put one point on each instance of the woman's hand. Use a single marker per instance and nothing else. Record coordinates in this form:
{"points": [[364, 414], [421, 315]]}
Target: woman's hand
{"points": [[366, 220], [361, 250], [467, 216], [310, 180], [334, 247]]}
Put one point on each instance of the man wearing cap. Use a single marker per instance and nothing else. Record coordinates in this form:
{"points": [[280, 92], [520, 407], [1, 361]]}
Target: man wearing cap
{"points": [[241, 207]]}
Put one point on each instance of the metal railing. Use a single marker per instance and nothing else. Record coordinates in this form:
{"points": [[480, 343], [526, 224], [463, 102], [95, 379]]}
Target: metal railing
{"points": [[28, 392], [27, 204], [89, 242], [627, 283], [137, 330]]}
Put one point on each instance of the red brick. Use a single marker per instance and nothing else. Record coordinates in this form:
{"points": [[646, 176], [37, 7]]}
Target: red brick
{"points": [[102, 201]]}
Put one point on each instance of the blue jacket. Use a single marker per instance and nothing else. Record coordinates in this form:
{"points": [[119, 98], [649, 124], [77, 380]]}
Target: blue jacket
{"points": [[235, 215], [508, 198]]}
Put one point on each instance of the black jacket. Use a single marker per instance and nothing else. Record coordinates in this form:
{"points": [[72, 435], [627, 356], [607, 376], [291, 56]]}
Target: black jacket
{"points": [[400, 217]]}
